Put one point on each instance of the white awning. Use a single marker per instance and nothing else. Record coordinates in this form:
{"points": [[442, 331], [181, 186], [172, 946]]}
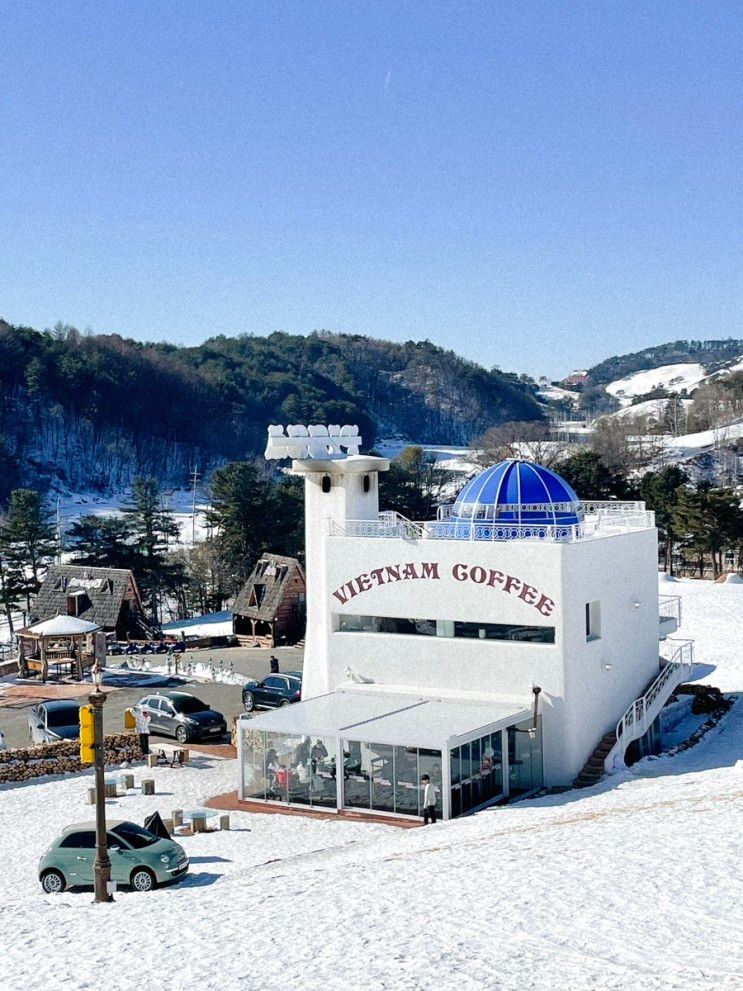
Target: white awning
{"points": [[402, 720], [62, 626]]}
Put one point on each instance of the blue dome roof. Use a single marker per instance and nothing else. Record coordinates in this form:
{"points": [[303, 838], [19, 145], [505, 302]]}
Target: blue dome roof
{"points": [[518, 492]]}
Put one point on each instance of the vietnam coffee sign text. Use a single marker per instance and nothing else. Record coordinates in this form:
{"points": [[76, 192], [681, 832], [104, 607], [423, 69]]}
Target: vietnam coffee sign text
{"points": [[430, 571]]}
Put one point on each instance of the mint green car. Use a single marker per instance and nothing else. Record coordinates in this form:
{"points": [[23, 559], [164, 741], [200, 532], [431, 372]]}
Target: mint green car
{"points": [[139, 859]]}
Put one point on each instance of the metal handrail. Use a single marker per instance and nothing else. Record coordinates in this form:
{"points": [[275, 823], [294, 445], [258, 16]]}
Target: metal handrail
{"points": [[640, 714]]}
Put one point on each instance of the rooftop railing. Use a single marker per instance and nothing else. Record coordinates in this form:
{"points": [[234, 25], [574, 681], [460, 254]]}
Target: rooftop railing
{"points": [[600, 519]]}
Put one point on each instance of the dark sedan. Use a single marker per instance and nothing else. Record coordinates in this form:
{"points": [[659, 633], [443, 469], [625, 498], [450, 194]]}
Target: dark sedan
{"points": [[273, 691], [183, 716], [49, 722]]}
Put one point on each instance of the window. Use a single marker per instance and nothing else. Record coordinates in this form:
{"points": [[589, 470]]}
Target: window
{"points": [[135, 835], [80, 841], [445, 628], [190, 705], [476, 773], [367, 483], [326, 483], [385, 778], [593, 621]]}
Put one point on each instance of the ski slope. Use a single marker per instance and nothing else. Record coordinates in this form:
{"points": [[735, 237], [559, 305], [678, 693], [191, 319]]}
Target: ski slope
{"points": [[635, 882], [673, 378]]}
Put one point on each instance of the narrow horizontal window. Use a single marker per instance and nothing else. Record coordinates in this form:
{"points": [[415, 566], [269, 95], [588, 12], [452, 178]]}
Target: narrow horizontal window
{"points": [[445, 628]]}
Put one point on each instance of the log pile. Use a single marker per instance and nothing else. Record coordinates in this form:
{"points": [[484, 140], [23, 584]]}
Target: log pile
{"points": [[27, 763]]}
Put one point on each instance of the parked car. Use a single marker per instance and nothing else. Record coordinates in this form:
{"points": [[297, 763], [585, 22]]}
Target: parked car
{"points": [[114, 647], [183, 716], [139, 859], [273, 691], [59, 719]]}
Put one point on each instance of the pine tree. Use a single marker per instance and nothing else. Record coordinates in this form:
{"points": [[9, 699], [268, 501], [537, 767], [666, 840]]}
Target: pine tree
{"points": [[104, 541], [151, 527], [12, 580], [30, 538], [660, 490]]}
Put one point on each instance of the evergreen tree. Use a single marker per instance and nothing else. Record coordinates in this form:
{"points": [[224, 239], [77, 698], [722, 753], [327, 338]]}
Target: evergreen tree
{"points": [[151, 527], [12, 581], [29, 538], [592, 478], [708, 521], [252, 514], [660, 490], [103, 541], [414, 485]]}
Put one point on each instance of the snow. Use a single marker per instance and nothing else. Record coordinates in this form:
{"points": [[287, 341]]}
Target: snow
{"points": [[455, 459], [635, 881], [673, 378], [178, 501], [652, 408], [689, 445], [558, 394], [216, 624]]}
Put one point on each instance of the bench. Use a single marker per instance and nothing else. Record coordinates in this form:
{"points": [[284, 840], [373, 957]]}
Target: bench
{"points": [[165, 753]]}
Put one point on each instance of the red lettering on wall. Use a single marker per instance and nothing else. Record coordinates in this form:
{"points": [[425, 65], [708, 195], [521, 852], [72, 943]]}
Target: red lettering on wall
{"points": [[460, 572]]}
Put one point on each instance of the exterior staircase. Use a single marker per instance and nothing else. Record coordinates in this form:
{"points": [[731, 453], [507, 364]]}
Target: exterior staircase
{"points": [[639, 717], [593, 769]]}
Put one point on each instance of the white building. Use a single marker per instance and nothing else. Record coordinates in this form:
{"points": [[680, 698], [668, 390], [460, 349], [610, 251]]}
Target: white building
{"points": [[492, 648]]}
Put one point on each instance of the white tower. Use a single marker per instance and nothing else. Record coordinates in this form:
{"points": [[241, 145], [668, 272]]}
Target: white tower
{"points": [[338, 487]]}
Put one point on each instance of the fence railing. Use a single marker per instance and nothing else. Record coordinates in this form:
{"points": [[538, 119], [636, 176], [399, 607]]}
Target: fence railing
{"points": [[669, 607], [393, 525], [639, 716]]}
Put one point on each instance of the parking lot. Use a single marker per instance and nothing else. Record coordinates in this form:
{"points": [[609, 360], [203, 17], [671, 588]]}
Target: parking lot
{"points": [[227, 699]]}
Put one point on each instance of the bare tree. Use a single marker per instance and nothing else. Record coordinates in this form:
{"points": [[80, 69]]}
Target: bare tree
{"points": [[520, 439]]}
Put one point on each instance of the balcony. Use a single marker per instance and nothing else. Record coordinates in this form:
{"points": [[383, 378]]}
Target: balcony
{"points": [[669, 614], [598, 519]]}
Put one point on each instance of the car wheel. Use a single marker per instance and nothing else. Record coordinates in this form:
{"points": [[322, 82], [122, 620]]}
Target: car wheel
{"points": [[53, 882], [181, 734], [249, 701], [142, 879], [284, 702]]}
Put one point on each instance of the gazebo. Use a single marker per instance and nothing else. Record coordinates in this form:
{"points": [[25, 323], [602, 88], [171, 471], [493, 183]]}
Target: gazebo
{"points": [[60, 641]]}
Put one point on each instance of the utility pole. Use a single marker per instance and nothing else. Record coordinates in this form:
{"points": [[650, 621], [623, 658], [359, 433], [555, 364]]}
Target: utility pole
{"points": [[91, 751], [195, 477], [59, 533]]}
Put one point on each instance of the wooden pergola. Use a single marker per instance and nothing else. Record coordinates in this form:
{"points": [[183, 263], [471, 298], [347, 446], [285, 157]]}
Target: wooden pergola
{"points": [[62, 640]]}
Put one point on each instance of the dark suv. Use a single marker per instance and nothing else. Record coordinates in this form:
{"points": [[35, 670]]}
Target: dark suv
{"points": [[273, 691], [183, 716]]}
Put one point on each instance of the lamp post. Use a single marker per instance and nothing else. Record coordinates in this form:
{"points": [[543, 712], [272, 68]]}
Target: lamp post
{"points": [[102, 864]]}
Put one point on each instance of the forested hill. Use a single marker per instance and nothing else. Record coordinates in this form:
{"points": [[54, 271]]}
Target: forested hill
{"points": [[713, 355], [81, 411]]}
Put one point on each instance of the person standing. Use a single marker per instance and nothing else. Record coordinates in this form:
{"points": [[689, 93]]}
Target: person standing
{"points": [[429, 800], [142, 726], [274, 664]]}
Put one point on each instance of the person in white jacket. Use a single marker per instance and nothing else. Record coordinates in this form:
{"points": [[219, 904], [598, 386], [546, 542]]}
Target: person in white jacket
{"points": [[142, 726], [429, 800]]}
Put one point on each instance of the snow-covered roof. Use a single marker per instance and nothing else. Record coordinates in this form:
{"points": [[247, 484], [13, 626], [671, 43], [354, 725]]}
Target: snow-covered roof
{"points": [[62, 626]]}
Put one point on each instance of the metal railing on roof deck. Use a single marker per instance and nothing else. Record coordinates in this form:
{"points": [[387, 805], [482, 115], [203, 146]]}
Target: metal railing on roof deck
{"points": [[609, 507], [391, 524], [669, 607]]}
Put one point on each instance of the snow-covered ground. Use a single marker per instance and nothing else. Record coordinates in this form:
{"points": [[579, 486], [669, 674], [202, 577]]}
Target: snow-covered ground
{"points": [[635, 882], [455, 459], [215, 624], [179, 501], [673, 378]]}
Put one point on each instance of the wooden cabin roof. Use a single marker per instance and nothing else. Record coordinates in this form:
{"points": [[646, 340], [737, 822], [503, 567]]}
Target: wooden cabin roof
{"points": [[260, 597], [104, 590]]}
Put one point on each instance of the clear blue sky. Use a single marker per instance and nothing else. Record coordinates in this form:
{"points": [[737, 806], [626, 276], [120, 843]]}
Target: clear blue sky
{"points": [[534, 184]]}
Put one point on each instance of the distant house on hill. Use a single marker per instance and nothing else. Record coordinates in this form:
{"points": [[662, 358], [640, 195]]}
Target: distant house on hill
{"points": [[106, 596], [270, 607], [577, 377]]}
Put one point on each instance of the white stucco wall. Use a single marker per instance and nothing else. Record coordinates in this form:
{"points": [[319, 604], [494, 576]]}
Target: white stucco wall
{"points": [[580, 700]]}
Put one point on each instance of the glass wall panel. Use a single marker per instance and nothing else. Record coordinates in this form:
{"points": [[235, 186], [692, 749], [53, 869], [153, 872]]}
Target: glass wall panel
{"points": [[300, 771], [279, 752], [406, 781], [475, 774], [524, 757], [383, 777], [429, 762], [455, 772], [254, 777], [346, 623], [356, 783], [466, 777], [322, 762]]}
